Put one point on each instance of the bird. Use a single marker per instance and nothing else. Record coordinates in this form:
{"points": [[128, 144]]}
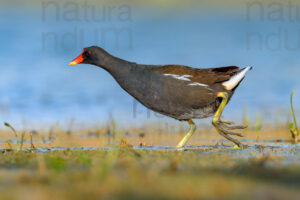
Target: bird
{"points": [[180, 92]]}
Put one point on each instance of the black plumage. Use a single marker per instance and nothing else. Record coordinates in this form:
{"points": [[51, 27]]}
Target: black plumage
{"points": [[177, 91]]}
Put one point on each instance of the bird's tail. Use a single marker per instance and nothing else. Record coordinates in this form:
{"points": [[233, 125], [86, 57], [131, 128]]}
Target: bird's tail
{"points": [[234, 81]]}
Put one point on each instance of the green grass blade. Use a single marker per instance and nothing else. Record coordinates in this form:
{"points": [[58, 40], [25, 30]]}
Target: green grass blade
{"points": [[293, 114], [11, 128]]}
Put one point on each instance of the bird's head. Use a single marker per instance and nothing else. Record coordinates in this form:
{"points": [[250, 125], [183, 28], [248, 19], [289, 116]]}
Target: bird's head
{"points": [[91, 55]]}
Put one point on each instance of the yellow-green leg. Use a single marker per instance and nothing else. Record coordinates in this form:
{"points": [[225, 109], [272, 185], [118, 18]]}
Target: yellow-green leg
{"points": [[221, 126], [188, 135]]}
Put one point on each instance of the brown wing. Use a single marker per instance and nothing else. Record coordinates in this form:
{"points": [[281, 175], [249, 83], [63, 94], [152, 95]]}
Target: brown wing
{"points": [[208, 76]]}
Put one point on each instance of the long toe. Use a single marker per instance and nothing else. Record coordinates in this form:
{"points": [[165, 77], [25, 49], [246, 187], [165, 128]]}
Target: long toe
{"points": [[235, 127], [235, 141], [230, 132], [226, 122], [226, 125]]}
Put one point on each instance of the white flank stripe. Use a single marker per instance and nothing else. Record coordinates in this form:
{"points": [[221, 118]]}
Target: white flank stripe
{"points": [[183, 77], [198, 84], [231, 83]]}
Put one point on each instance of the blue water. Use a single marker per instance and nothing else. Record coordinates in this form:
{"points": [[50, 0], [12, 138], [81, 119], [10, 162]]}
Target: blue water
{"points": [[37, 84]]}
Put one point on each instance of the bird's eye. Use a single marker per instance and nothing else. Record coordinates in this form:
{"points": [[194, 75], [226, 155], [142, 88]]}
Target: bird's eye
{"points": [[88, 53]]}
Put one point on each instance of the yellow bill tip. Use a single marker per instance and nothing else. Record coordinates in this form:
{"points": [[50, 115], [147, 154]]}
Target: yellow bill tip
{"points": [[72, 63]]}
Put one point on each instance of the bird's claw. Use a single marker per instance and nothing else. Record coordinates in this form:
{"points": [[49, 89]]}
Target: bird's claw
{"points": [[225, 130], [226, 124]]}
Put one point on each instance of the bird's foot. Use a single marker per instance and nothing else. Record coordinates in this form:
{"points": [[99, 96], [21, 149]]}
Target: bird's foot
{"points": [[192, 128], [223, 126], [225, 130], [180, 149], [226, 122], [236, 147], [229, 125]]}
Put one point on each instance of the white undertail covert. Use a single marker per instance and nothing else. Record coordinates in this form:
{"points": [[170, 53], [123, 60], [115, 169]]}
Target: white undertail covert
{"points": [[234, 81]]}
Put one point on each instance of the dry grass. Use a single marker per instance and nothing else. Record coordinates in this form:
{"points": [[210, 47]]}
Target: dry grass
{"points": [[150, 135]]}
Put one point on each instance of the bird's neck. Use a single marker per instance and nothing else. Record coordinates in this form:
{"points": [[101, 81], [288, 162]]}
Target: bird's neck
{"points": [[117, 67]]}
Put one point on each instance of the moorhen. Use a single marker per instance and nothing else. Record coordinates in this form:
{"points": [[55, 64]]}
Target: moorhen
{"points": [[180, 92]]}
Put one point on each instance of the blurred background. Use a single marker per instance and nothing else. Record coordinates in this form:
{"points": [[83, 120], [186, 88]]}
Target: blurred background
{"points": [[40, 38]]}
